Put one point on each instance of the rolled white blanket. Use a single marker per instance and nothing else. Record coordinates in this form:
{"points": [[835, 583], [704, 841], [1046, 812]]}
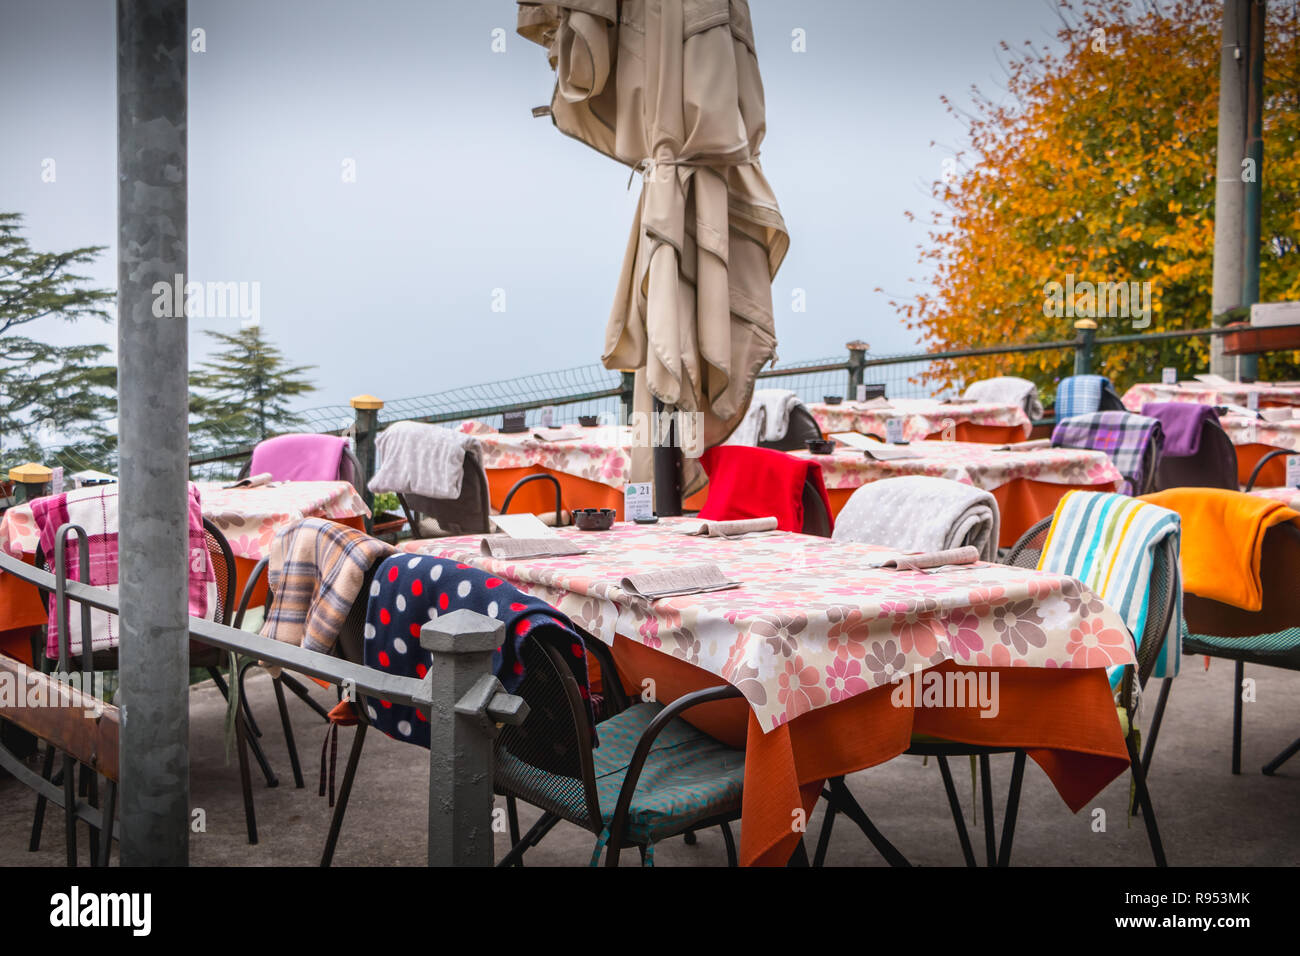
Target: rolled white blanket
{"points": [[1008, 390], [920, 513]]}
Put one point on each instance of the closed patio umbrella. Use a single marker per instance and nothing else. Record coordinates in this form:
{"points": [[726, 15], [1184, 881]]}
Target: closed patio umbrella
{"points": [[671, 88]]}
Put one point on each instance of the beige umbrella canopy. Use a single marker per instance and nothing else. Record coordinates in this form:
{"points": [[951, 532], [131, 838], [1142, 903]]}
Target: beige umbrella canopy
{"points": [[671, 88]]}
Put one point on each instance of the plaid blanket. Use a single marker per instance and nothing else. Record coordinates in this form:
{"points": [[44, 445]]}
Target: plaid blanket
{"points": [[1111, 543], [1084, 394], [409, 590], [315, 572], [96, 510], [1133, 443]]}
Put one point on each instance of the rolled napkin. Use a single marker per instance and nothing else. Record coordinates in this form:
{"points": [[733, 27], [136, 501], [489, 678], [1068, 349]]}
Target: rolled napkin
{"points": [[252, 481], [732, 529], [930, 561], [920, 513], [1031, 445]]}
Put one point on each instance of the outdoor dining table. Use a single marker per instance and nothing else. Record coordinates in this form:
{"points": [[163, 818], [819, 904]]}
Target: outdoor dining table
{"points": [[591, 464], [1027, 484], [922, 418], [248, 517], [818, 641], [1199, 393], [1254, 438]]}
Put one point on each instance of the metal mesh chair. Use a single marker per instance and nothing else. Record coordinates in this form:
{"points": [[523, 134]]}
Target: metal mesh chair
{"points": [[802, 429], [1025, 554], [466, 514], [1269, 637]]}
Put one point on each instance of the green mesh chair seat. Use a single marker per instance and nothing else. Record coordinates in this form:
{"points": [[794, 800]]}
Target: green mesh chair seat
{"points": [[1277, 649], [689, 777]]}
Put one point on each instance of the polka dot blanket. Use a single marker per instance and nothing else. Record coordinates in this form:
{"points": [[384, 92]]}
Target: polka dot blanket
{"points": [[409, 590]]}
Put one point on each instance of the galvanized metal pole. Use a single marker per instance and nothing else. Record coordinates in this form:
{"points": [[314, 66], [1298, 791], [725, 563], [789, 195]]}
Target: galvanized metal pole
{"points": [[153, 433], [1254, 184], [1229, 192]]}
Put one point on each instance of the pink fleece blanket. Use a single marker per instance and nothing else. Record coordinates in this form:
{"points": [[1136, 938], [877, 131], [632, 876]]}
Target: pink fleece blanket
{"points": [[299, 457]]}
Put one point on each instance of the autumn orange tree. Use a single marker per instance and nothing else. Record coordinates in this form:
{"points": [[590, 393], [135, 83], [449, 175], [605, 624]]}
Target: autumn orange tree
{"points": [[1097, 162]]}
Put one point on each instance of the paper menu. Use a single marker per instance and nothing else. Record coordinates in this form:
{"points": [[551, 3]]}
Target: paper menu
{"points": [[523, 526], [1214, 381], [853, 439], [889, 452]]}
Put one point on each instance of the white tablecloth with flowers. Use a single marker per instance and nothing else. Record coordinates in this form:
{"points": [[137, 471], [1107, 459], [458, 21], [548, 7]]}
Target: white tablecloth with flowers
{"points": [[921, 417], [1235, 393], [812, 624]]}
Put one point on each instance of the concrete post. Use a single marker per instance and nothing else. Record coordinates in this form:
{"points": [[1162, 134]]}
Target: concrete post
{"points": [[857, 366], [367, 411], [1229, 190], [1087, 330], [153, 435], [460, 746]]}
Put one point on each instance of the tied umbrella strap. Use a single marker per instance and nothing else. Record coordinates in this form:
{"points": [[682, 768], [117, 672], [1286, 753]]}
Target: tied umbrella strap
{"points": [[647, 167], [343, 715]]}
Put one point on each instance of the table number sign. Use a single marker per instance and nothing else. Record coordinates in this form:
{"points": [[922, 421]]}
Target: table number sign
{"points": [[548, 416], [1169, 376], [638, 500], [894, 431], [862, 393], [1252, 401], [1293, 471]]}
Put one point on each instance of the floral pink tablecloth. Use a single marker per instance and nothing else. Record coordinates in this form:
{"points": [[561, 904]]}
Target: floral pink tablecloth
{"points": [[248, 517], [1197, 393], [812, 625], [921, 417], [601, 454], [971, 463], [1288, 496], [1244, 430]]}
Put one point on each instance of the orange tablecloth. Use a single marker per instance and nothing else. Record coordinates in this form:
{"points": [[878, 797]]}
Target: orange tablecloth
{"points": [[538, 497], [20, 611], [1021, 502], [984, 434], [1065, 719]]}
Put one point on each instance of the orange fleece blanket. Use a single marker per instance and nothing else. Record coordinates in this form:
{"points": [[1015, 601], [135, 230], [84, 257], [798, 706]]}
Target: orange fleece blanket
{"points": [[1223, 534]]}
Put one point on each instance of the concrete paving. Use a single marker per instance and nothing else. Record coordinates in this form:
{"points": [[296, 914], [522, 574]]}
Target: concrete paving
{"points": [[1208, 817]]}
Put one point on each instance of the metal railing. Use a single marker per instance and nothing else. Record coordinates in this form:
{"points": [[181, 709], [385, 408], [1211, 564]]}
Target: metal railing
{"points": [[595, 390], [461, 698]]}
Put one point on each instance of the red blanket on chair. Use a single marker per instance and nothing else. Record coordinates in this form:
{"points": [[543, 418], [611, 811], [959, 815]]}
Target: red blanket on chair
{"points": [[747, 482]]}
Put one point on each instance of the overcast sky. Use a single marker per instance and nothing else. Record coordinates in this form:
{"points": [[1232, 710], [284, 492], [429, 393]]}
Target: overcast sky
{"points": [[387, 283]]}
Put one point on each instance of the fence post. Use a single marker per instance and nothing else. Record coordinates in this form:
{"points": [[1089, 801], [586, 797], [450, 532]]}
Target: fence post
{"points": [[460, 740], [857, 366], [367, 408], [31, 479], [625, 396], [1087, 330]]}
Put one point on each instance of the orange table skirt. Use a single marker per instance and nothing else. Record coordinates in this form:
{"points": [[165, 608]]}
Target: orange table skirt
{"points": [[983, 434], [1274, 473], [1021, 502], [1064, 719], [538, 497]]}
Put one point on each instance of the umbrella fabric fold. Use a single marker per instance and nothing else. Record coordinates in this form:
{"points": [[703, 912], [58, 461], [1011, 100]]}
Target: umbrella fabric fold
{"points": [[671, 88]]}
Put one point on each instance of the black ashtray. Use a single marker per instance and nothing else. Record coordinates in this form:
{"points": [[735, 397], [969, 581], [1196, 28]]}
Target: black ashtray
{"points": [[593, 519], [820, 446], [832, 399], [513, 423], [588, 421]]}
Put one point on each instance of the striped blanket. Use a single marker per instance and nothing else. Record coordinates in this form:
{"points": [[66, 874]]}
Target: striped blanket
{"points": [[315, 571], [1111, 542]]}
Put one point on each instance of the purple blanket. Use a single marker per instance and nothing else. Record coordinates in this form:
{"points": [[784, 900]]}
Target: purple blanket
{"points": [[1182, 424]]}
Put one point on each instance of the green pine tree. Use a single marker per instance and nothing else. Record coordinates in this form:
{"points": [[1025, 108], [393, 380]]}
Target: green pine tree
{"points": [[244, 393], [56, 402]]}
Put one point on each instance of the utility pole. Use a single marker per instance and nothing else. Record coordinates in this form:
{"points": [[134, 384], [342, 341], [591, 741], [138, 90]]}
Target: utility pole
{"points": [[1229, 191], [153, 432], [1255, 171]]}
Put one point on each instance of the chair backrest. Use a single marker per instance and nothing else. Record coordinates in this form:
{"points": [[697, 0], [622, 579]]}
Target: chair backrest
{"points": [[466, 514], [351, 643], [1027, 551], [749, 482], [1084, 394], [1280, 611], [222, 560], [1213, 466], [547, 759], [802, 428], [1133, 443]]}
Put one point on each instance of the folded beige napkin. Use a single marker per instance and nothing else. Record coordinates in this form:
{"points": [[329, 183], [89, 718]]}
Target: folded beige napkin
{"points": [[1032, 445], [732, 529], [692, 579], [931, 561], [504, 546]]}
